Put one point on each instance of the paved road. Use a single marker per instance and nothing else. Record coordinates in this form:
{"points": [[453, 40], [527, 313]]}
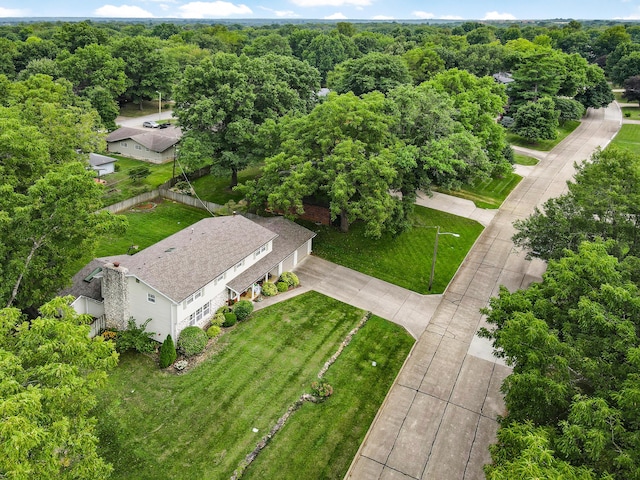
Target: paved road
{"points": [[439, 417]]}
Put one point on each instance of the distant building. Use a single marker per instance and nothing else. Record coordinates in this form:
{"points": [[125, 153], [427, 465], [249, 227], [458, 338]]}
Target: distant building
{"points": [[155, 146], [102, 164]]}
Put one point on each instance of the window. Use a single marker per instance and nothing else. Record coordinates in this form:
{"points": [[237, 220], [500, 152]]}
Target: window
{"points": [[219, 279], [238, 265], [260, 251], [137, 147], [206, 309], [124, 144], [194, 296], [151, 298]]}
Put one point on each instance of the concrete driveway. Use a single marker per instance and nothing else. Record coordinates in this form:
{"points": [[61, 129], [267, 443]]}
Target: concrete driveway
{"points": [[439, 417]]}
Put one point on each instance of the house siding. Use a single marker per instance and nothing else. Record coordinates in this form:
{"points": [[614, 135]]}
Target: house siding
{"points": [[128, 148], [141, 309]]}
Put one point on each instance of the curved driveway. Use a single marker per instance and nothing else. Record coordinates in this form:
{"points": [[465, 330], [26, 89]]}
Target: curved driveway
{"points": [[440, 416]]}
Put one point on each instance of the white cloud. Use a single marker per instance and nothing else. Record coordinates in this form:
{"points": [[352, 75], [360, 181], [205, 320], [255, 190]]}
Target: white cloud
{"points": [[212, 10], [450, 17], [12, 12], [281, 13], [498, 16], [331, 3], [123, 11], [335, 16], [419, 14], [630, 17], [382, 17]]}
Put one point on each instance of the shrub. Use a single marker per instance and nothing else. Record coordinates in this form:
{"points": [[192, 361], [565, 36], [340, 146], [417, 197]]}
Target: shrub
{"points": [[243, 309], [321, 389], [269, 289], [168, 352], [224, 309], [230, 319], [213, 331], [282, 287], [627, 114], [291, 279], [192, 341], [135, 338], [109, 335], [217, 319]]}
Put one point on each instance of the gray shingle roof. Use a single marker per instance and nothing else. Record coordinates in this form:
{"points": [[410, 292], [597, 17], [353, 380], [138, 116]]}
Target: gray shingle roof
{"points": [[156, 140], [95, 160], [290, 237], [186, 261]]}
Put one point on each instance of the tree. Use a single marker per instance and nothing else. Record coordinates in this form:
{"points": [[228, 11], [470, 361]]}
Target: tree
{"points": [[147, 68], [608, 40], [568, 109], [632, 89], [374, 71], [572, 341], [597, 93], [538, 74], [536, 120], [139, 173], [222, 102], [478, 102], [325, 51], [591, 209], [423, 63], [168, 352], [45, 228], [627, 67], [266, 44], [51, 371], [341, 151]]}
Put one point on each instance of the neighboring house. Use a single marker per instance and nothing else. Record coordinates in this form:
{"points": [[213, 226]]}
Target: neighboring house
{"points": [[102, 164], [155, 146], [183, 279]]}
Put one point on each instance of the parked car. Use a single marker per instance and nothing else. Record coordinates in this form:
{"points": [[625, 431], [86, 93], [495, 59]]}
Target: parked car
{"points": [[164, 125], [150, 124]]}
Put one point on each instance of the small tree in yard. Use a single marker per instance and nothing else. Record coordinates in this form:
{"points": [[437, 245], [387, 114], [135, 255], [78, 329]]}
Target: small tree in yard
{"points": [[168, 352], [243, 309], [137, 174], [632, 89], [537, 120]]}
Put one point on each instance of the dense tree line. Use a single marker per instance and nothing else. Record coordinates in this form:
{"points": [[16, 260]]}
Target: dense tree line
{"points": [[413, 106], [572, 399]]}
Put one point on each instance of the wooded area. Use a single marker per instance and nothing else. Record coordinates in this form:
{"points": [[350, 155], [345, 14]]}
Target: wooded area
{"points": [[411, 107]]}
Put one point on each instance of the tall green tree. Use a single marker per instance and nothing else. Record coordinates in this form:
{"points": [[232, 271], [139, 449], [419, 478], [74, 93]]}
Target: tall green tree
{"points": [[572, 341], [537, 120], [478, 102], [374, 71], [146, 66], [222, 102], [592, 208], [343, 152], [50, 373]]}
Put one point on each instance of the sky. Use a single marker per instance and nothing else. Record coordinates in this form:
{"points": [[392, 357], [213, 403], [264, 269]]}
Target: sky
{"points": [[328, 9]]}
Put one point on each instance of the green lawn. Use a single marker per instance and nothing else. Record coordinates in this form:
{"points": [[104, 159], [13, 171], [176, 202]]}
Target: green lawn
{"points": [[628, 137], [404, 260], [634, 113], [524, 160], [544, 145], [487, 193], [156, 425], [147, 227], [119, 187], [215, 188]]}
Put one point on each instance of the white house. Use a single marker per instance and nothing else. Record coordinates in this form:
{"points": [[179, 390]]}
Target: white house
{"points": [[155, 146], [102, 164], [183, 279]]}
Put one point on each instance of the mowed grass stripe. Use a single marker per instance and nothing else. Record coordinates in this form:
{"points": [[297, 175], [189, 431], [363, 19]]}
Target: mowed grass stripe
{"points": [[156, 425], [320, 440]]}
